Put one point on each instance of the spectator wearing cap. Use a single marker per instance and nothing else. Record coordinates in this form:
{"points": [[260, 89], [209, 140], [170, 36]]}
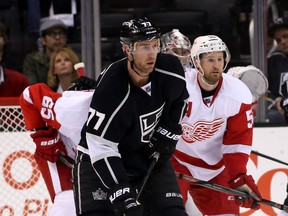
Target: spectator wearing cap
{"points": [[277, 67], [53, 36], [12, 83]]}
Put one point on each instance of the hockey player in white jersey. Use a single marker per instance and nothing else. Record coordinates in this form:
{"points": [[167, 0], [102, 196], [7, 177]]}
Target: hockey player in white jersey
{"points": [[58, 119], [217, 132]]}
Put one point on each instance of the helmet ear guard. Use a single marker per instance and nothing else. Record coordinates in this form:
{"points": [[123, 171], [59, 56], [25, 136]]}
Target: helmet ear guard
{"points": [[209, 44]]}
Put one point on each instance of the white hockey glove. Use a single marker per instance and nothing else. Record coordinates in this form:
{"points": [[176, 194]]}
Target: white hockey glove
{"points": [[253, 78]]}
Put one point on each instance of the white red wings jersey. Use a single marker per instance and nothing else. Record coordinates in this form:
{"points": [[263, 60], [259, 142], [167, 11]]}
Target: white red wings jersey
{"points": [[218, 133], [67, 113]]}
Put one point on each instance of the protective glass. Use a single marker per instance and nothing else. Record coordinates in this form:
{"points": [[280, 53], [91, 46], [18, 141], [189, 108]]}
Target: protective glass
{"points": [[146, 47]]}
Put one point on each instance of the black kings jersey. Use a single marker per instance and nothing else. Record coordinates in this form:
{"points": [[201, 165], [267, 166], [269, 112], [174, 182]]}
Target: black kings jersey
{"points": [[122, 117]]}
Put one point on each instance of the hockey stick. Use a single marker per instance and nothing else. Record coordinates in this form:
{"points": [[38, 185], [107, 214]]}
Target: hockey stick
{"points": [[152, 165], [65, 161], [79, 67], [227, 190], [268, 157]]}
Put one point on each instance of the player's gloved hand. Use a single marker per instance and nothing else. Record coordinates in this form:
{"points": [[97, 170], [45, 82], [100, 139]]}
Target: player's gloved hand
{"points": [[164, 141], [83, 83], [284, 106], [122, 197], [246, 184], [286, 199], [48, 144]]}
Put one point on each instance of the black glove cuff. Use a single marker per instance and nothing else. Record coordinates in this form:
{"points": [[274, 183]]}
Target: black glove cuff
{"points": [[83, 83], [121, 192], [123, 199], [284, 104], [164, 141]]}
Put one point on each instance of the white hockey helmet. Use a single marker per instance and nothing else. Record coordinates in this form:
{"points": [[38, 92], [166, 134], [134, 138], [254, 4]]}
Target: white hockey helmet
{"points": [[208, 44], [177, 44]]}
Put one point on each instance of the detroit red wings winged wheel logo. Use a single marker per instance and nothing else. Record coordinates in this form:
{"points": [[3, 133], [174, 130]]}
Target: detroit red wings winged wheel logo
{"points": [[201, 130]]}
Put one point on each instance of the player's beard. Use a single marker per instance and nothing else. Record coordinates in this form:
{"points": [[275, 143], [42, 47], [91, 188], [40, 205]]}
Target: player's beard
{"points": [[212, 78], [142, 69]]}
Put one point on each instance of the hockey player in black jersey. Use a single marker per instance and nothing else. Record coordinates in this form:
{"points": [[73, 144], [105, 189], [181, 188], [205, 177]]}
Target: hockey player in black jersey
{"points": [[136, 109]]}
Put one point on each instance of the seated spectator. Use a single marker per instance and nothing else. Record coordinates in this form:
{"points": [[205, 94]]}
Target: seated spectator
{"points": [[61, 69], [12, 83], [53, 36], [277, 67]]}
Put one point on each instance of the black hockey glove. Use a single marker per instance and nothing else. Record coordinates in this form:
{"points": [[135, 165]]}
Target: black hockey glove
{"points": [[286, 199], [164, 141], [83, 83], [284, 106], [122, 197]]}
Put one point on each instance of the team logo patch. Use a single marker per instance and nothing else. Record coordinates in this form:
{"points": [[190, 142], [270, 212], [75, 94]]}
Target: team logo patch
{"points": [[99, 194], [148, 122], [201, 130]]}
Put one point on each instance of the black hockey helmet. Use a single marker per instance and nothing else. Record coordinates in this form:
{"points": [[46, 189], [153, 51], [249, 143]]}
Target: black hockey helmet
{"points": [[281, 22], [138, 30]]}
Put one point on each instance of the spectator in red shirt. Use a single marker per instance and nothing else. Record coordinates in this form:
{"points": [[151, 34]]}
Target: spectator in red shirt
{"points": [[12, 83]]}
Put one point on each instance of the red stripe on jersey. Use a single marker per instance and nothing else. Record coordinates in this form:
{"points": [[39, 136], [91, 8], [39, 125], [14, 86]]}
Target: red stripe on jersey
{"points": [[197, 161], [189, 109]]}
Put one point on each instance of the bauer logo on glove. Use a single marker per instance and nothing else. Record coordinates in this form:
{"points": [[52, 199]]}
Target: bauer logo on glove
{"points": [[122, 198], [168, 134], [164, 141], [48, 144], [118, 193]]}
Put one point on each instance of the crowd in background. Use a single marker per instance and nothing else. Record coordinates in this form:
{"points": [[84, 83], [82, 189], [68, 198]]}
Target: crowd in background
{"points": [[30, 39]]}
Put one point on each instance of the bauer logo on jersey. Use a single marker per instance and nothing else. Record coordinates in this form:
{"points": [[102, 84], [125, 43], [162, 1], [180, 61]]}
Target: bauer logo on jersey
{"points": [[148, 123], [201, 130]]}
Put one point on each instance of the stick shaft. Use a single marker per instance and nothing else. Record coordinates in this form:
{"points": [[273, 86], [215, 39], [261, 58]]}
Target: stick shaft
{"points": [[268, 157], [65, 161], [152, 165], [227, 190]]}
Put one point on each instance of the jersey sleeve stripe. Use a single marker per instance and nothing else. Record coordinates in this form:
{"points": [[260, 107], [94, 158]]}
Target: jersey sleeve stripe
{"points": [[26, 95], [104, 156], [226, 149], [115, 112]]}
